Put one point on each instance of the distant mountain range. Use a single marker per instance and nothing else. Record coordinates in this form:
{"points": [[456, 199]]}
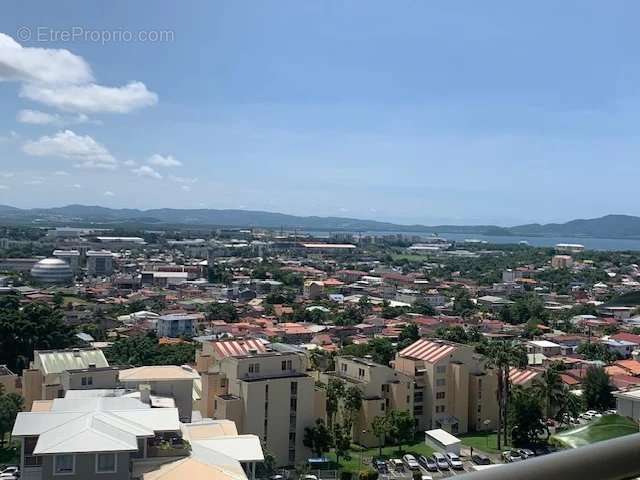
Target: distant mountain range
{"points": [[609, 226]]}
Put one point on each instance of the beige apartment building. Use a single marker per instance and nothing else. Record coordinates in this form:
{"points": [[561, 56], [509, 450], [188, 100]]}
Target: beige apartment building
{"points": [[266, 391], [383, 389], [52, 372], [453, 390]]}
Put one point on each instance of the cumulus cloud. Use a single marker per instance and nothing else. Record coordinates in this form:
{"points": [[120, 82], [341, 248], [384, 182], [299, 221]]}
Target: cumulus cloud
{"points": [[84, 150], [147, 171], [76, 185], [158, 160], [109, 193], [60, 79], [36, 117], [4, 187], [41, 65], [61, 173], [186, 188], [34, 181], [92, 98], [6, 174], [129, 163]]}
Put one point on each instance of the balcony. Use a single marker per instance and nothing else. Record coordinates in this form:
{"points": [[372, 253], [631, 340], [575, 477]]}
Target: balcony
{"points": [[616, 459], [171, 447]]}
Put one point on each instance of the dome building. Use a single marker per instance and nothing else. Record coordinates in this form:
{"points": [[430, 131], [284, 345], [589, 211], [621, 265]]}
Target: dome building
{"points": [[52, 270]]}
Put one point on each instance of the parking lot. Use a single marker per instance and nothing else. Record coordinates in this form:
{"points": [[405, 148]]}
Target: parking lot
{"points": [[406, 474]]}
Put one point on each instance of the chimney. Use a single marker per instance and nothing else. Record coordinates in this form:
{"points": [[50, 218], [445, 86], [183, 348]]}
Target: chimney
{"points": [[92, 366], [76, 352], [145, 393]]}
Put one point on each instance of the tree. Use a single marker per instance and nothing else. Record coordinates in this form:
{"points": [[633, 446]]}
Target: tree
{"points": [[10, 405], [571, 406], [317, 438], [409, 333], [596, 389], [222, 311], [597, 351], [23, 330], [401, 427], [341, 440], [552, 391], [352, 405], [525, 413], [335, 391], [58, 299], [502, 357], [142, 350], [380, 428]]}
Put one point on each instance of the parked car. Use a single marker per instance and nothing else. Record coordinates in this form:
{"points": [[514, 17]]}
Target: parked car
{"points": [[428, 463], [8, 476], [13, 469], [511, 456], [309, 477], [381, 466], [454, 461], [480, 459], [397, 464], [426, 477], [526, 453], [441, 461], [411, 462]]}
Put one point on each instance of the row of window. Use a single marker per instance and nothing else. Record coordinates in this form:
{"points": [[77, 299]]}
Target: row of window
{"points": [[66, 464]]}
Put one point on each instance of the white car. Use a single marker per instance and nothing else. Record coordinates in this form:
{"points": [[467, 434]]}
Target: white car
{"points": [[411, 462], [8, 476], [454, 461]]}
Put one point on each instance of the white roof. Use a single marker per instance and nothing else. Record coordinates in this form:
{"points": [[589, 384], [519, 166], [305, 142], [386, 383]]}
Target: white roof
{"points": [[94, 425], [544, 344], [158, 373], [58, 361], [244, 448], [443, 437]]}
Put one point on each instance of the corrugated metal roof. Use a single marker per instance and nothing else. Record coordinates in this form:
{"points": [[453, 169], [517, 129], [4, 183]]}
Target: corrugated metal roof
{"points": [[58, 361], [427, 350], [521, 377], [237, 348]]}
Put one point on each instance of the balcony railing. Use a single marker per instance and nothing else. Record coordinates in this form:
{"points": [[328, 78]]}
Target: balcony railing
{"points": [[616, 459]]}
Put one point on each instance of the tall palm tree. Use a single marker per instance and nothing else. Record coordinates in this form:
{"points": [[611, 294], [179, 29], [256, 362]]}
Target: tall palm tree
{"points": [[502, 356], [553, 391]]}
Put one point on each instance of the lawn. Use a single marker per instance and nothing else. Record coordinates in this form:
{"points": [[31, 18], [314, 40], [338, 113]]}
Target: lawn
{"points": [[409, 256], [604, 428], [484, 441], [362, 457]]}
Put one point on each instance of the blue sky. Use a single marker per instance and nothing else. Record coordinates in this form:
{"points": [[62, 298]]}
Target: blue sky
{"points": [[410, 111]]}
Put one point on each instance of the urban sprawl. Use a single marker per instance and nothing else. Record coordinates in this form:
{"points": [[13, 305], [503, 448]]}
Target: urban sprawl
{"points": [[236, 354]]}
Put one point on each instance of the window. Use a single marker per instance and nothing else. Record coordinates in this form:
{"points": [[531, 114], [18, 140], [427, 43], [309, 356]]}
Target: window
{"points": [[417, 410], [343, 367], [439, 408], [254, 368], [292, 455], [439, 395], [292, 437], [418, 397], [294, 388], [293, 404], [284, 364], [215, 404], [361, 372], [266, 390], [106, 463], [89, 380], [441, 369], [83, 382], [440, 382], [289, 365], [64, 464], [382, 406]]}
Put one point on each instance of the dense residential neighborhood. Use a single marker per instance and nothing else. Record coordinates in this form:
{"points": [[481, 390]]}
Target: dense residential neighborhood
{"points": [[250, 353]]}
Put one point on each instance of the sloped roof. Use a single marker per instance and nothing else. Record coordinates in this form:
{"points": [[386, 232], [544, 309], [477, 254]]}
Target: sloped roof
{"points": [[428, 350], [521, 377], [57, 361], [193, 469], [243, 448], [237, 348]]}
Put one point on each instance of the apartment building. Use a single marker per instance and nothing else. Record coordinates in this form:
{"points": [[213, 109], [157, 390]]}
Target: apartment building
{"points": [[265, 391], [53, 371], [122, 438], [383, 389], [177, 324], [99, 262], [453, 389]]}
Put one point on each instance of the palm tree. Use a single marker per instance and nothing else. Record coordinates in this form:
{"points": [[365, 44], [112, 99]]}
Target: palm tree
{"points": [[352, 405], [502, 356], [552, 390]]}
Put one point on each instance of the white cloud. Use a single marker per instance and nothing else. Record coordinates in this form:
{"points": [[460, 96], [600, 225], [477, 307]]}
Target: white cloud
{"points": [[109, 193], [177, 179], [129, 163], [34, 181], [41, 65], [76, 185], [186, 188], [158, 160], [66, 144], [61, 173], [6, 174], [4, 187], [36, 117], [146, 171], [92, 98]]}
